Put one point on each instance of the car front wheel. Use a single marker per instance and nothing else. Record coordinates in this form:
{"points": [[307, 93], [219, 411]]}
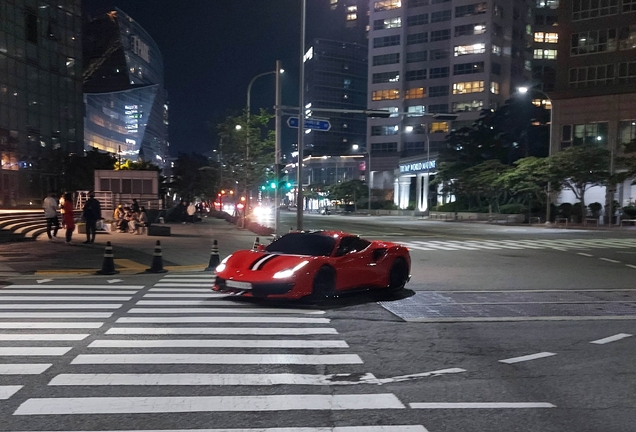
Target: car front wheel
{"points": [[324, 285], [399, 275]]}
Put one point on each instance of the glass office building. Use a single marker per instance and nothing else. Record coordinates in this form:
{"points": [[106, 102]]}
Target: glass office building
{"points": [[126, 107], [41, 113]]}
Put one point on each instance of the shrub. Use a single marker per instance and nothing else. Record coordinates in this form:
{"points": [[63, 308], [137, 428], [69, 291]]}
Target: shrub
{"points": [[451, 207], [630, 211], [595, 209], [565, 210], [513, 209]]}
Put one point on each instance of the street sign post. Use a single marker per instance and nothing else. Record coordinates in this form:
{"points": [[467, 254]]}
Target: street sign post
{"points": [[310, 123]]}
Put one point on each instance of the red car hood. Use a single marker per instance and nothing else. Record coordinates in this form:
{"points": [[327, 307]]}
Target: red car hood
{"points": [[256, 266]]}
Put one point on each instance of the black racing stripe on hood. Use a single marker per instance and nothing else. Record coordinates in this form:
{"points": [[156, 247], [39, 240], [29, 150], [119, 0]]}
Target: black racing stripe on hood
{"points": [[260, 263]]}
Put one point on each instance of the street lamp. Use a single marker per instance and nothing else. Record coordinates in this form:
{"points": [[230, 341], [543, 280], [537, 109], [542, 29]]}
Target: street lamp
{"points": [[356, 147], [524, 90]]}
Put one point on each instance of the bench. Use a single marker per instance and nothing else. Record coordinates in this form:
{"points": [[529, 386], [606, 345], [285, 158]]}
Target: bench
{"points": [[158, 230], [632, 221]]}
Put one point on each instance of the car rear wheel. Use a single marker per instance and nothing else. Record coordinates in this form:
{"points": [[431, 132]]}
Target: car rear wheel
{"points": [[324, 283], [399, 275]]}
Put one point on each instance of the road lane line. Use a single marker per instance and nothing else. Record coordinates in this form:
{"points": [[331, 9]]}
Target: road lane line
{"points": [[481, 405], [287, 359], [584, 254], [209, 310], [7, 391], [262, 331], [610, 260], [527, 357], [95, 287], [631, 266], [218, 343], [389, 428], [230, 319], [4, 298], [611, 339], [56, 292], [23, 368], [60, 306], [135, 405], [34, 351], [50, 325], [32, 315], [42, 337]]}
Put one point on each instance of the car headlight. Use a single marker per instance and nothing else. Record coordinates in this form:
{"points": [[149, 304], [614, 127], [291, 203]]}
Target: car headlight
{"points": [[221, 265], [289, 272]]}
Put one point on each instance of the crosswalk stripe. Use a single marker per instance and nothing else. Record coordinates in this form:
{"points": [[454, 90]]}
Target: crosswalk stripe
{"points": [[433, 245], [523, 244], [34, 351], [42, 337], [184, 285], [134, 405], [480, 245], [61, 298], [60, 306], [500, 245], [390, 428], [456, 244], [23, 368], [230, 319], [218, 343], [30, 315], [231, 359], [56, 292], [192, 276], [210, 310], [193, 379], [176, 302], [262, 331], [209, 279], [414, 246], [50, 325], [187, 294], [9, 390], [95, 287]]}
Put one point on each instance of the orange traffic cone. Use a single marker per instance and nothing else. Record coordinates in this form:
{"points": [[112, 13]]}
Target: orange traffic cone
{"points": [[108, 266]]}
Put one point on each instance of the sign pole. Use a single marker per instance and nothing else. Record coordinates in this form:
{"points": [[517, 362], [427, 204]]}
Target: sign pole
{"points": [[300, 200]]}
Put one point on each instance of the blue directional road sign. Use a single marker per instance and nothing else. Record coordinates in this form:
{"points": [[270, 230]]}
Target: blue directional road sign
{"points": [[310, 123]]}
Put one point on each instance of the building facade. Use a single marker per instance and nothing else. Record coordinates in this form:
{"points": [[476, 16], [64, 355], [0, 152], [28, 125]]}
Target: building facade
{"points": [[595, 94], [545, 40], [126, 104], [41, 113], [431, 58]]}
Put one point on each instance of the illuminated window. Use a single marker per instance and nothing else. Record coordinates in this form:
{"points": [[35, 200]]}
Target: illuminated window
{"points": [[468, 87], [385, 77], [545, 103], [387, 23], [552, 4], [494, 87], [415, 93], [474, 105], [546, 37], [334, 4], [545, 54], [389, 94], [478, 48], [352, 16], [627, 37], [416, 110], [470, 29], [387, 5], [472, 9], [439, 127], [393, 110], [384, 130]]}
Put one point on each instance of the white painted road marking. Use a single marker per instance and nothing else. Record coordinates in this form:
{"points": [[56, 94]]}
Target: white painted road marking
{"points": [[611, 339], [480, 405], [265, 331], [584, 254], [218, 343], [185, 285], [42, 337], [95, 287], [61, 306], [31, 315], [23, 368], [527, 357], [610, 260], [7, 391], [50, 325], [60, 298], [56, 292], [230, 319], [133, 405], [34, 351], [390, 428], [187, 293], [243, 310], [185, 358]]}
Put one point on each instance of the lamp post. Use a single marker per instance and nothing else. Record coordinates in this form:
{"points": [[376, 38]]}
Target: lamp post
{"points": [[524, 90], [368, 170], [300, 200]]}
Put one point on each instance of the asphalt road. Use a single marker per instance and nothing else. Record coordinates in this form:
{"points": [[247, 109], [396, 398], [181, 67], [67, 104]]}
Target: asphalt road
{"points": [[493, 333]]}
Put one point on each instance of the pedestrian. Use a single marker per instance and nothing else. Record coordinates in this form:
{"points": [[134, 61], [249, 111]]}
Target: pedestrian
{"points": [[50, 206], [91, 213], [68, 219], [118, 213], [134, 206], [192, 211]]}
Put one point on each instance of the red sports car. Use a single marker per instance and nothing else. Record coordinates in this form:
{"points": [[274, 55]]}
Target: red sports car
{"points": [[318, 263]]}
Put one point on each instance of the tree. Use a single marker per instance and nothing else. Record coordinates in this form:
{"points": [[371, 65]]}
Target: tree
{"points": [[484, 179], [195, 176], [79, 169], [528, 180], [349, 192], [136, 166], [580, 168]]}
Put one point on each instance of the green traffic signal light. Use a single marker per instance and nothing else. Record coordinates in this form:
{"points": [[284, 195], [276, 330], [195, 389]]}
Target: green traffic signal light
{"points": [[262, 187], [288, 184], [272, 185]]}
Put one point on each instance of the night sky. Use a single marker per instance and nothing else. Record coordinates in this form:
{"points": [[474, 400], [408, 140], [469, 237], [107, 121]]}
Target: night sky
{"points": [[213, 48]]}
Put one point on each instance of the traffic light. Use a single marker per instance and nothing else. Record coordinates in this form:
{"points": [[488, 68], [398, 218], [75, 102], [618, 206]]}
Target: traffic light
{"points": [[272, 185]]}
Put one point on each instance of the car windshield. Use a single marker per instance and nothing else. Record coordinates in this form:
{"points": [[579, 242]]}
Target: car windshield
{"points": [[311, 244]]}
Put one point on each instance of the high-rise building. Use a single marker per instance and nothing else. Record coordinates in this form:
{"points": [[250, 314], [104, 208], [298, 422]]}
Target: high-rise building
{"points": [[430, 58], [545, 40], [41, 115], [595, 95], [126, 104]]}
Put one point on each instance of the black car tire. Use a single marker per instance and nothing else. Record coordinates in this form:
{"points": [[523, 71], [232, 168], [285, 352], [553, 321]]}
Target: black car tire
{"points": [[324, 285], [399, 275]]}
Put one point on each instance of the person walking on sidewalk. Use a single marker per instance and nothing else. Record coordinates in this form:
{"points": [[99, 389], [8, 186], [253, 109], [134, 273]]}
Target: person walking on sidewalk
{"points": [[50, 206], [91, 212], [192, 211], [68, 219]]}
